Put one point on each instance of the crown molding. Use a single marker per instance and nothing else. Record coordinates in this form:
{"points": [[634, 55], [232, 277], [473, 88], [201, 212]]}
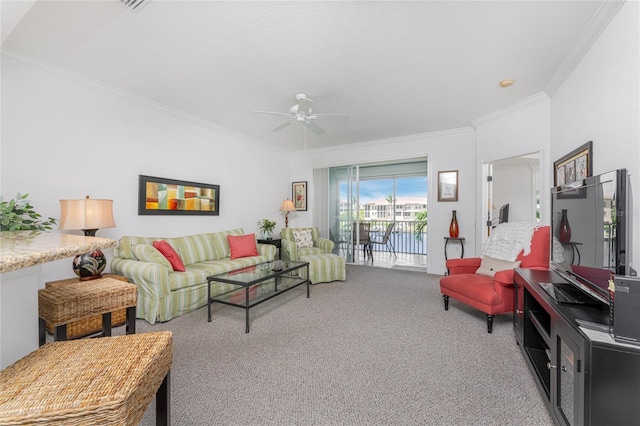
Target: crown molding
{"points": [[398, 139], [598, 22], [499, 113]]}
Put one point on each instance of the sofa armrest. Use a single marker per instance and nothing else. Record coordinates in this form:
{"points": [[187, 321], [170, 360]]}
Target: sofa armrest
{"points": [[151, 278], [467, 265], [288, 250], [325, 244], [504, 278], [268, 250]]}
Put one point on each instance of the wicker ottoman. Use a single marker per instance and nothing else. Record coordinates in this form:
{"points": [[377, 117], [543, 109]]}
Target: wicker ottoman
{"points": [[60, 305], [108, 381], [324, 268]]}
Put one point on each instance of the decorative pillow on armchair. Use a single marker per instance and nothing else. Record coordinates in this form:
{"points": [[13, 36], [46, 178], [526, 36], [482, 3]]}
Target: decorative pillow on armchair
{"points": [[303, 238], [489, 266]]}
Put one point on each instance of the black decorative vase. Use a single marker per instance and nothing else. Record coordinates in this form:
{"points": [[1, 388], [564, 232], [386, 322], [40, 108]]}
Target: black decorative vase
{"points": [[565, 228]]}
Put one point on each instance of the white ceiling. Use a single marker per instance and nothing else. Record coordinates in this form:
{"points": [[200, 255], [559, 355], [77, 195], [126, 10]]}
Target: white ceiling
{"points": [[396, 68]]}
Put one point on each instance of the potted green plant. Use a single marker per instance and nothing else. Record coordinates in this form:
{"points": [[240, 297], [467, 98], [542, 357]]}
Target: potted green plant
{"points": [[18, 215], [267, 227]]}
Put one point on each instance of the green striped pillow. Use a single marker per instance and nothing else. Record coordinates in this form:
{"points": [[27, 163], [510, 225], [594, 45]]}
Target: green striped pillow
{"points": [[148, 253]]}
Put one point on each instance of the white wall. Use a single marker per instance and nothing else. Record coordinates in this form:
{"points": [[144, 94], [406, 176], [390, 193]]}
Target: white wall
{"points": [[452, 150], [63, 137], [599, 102]]}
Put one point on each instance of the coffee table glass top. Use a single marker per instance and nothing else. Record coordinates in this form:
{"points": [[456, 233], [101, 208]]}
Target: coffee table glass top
{"points": [[256, 273], [257, 284]]}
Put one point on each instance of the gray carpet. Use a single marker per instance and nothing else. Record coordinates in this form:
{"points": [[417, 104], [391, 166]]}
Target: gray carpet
{"points": [[378, 349]]}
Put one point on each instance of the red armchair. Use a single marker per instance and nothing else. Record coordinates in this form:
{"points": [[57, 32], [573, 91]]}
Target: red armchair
{"points": [[491, 295]]}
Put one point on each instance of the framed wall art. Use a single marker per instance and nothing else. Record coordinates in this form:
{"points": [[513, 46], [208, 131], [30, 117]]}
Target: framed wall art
{"points": [[448, 185], [161, 196], [299, 194], [575, 166]]}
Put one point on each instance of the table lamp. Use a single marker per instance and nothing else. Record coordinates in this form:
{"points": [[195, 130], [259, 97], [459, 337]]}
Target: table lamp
{"points": [[287, 206], [87, 215]]}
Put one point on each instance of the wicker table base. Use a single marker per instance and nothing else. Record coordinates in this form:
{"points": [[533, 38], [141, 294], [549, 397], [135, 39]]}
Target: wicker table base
{"points": [[108, 381], [92, 325], [60, 305]]}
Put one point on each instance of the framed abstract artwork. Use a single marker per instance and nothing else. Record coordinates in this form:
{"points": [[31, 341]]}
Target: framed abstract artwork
{"points": [[575, 166], [161, 196], [448, 185], [299, 194]]}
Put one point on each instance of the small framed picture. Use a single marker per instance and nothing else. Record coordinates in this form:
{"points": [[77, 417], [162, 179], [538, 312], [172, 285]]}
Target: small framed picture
{"points": [[448, 185], [299, 193]]}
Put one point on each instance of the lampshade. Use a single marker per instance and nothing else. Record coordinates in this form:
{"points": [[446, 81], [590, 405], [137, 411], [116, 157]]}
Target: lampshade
{"points": [[287, 206], [87, 214]]}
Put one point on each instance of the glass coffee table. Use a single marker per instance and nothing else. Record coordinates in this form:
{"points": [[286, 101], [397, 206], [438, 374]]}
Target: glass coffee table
{"points": [[256, 284]]}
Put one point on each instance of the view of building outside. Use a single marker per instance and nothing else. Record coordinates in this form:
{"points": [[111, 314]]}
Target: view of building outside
{"points": [[402, 200], [390, 199]]}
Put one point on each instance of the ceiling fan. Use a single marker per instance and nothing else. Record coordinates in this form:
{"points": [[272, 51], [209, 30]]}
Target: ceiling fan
{"points": [[301, 113]]}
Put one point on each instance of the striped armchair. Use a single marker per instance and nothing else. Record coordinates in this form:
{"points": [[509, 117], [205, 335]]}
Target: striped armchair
{"points": [[290, 251]]}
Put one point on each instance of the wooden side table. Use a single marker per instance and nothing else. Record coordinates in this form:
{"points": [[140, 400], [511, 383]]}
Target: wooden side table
{"points": [[67, 302], [274, 242]]}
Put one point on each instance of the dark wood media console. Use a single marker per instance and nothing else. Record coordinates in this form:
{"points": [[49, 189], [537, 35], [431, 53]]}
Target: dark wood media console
{"points": [[585, 376]]}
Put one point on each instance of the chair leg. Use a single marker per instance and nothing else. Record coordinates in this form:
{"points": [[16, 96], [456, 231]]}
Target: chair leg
{"points": [[391, 249], [490, 323], [446, 302]]}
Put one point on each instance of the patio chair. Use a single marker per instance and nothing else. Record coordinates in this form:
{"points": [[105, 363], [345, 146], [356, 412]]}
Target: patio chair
{"points": [[364, 241], [385, 241]]}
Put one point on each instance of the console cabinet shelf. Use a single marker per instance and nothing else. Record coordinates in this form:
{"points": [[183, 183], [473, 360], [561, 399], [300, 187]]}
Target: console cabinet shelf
{"points": [[585, 377]]}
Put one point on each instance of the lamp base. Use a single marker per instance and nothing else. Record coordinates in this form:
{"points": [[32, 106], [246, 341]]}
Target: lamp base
{"points": [[88, 266]]}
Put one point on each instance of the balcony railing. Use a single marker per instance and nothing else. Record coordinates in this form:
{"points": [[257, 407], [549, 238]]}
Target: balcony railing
{"points": [[404, 237]]}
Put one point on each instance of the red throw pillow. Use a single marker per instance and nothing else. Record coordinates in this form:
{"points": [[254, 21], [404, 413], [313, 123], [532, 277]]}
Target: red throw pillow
{"points": [[172, 256], [242, 245]]}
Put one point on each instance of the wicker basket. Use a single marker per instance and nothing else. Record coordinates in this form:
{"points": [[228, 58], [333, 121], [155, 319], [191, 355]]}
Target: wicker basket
{"points": [[80, 304], [108, 381]]}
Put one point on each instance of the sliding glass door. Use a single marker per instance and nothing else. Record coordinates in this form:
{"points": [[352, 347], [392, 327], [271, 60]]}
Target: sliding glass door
{"points": [[344, 206], [370, 198]]}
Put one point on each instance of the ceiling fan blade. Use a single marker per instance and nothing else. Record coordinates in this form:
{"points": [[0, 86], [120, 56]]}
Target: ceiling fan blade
{"points": [[304, 105], [282, 126], [333, 116], [272, 112], [315, 128]]}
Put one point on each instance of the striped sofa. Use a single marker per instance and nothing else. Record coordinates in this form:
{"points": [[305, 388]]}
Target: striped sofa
{"points": [[163, 293]]}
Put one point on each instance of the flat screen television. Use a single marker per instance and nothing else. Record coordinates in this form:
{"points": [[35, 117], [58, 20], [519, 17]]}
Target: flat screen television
{"points": [[591, 229]]}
